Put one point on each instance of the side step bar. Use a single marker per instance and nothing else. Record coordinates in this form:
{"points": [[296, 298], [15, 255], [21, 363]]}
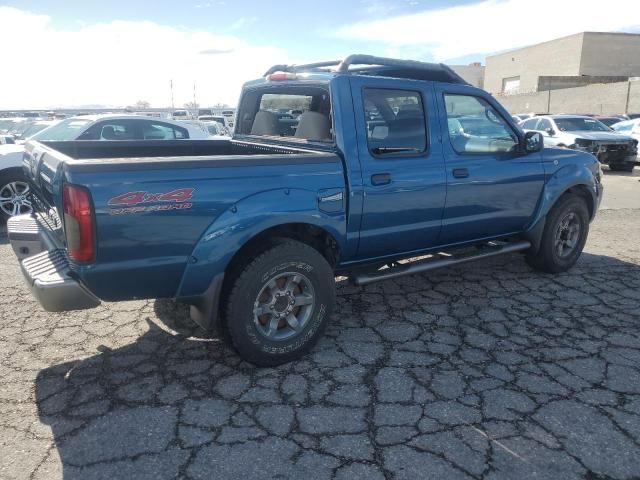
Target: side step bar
{"points": [[440, 260]]}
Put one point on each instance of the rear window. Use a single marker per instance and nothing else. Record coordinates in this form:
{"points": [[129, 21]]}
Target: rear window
{"points": [[297, 113]]}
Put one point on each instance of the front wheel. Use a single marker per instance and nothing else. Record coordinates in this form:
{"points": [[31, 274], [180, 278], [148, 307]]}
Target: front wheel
{"points": [[280, 303], [565, 233]]}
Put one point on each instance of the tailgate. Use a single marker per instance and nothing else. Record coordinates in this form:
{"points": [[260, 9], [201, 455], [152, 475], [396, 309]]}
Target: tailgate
{"points": [[44, 170]]}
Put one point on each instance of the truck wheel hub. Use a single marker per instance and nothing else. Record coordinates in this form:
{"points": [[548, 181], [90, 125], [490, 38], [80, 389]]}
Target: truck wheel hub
{"points": [[284, 306]]}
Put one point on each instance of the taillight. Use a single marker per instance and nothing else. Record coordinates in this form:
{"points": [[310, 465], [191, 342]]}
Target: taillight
{"points": [[78, 223]]}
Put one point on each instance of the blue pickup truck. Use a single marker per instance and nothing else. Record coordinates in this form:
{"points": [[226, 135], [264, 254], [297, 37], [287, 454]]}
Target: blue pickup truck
{"points": [[369, 167]]}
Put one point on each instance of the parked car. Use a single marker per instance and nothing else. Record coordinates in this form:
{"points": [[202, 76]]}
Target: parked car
{"points": [[13, 186], [216, 129], [7, 139], [607, 120], [586, 134], [222, 120], [230, 116], [629, 127], [181, 115], [251, 232], [204, 112]]}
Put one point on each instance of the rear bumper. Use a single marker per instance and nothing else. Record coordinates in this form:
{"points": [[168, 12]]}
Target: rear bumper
{"points": [[46, 268]]}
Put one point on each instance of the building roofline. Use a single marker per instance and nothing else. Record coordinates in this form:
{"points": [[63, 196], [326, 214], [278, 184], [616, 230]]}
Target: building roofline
{"points": [[513, 50], [561, 38]]}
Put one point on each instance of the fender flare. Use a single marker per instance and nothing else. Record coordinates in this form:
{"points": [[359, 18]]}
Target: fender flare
{"points": [[246, 219], [564, 179]]}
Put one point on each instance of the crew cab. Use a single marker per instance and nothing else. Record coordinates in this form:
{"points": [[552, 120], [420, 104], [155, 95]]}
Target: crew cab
{"points": [[378, 179], [587, 134]]}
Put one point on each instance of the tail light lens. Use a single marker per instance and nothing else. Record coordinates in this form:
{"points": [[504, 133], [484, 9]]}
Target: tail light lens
{"points": [[78, 223]]}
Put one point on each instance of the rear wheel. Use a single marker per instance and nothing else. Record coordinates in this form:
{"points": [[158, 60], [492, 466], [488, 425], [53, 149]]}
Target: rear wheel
{"points": [[564, 236], [14, 193], [280, 303]]}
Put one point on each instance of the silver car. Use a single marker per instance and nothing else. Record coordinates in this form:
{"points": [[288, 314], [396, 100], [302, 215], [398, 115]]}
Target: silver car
{"points": [[587, 134]]}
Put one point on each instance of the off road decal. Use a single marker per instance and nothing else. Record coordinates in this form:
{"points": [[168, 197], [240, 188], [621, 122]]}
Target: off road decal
{"points": [[135, 202]]}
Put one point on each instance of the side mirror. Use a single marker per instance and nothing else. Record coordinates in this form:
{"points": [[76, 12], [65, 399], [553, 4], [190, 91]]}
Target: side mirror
{"points": [[550, 131], [533, 142]]}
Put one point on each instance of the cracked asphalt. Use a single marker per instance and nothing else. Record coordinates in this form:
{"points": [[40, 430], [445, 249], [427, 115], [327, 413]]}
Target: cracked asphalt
{"points": [[489, 370]]}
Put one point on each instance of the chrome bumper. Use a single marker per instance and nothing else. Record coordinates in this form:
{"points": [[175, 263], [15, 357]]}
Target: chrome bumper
{"points": [[46, 268]]}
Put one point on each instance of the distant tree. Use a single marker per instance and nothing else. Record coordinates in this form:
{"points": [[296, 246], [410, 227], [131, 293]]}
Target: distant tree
{"points": [[142, 104]]}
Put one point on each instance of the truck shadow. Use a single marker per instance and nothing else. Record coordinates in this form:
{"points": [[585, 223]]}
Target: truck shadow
{"points": [[143, 409]]}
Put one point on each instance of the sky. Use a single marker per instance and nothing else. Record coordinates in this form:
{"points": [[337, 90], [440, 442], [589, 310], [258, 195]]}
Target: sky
{"points": [[84, 52]]}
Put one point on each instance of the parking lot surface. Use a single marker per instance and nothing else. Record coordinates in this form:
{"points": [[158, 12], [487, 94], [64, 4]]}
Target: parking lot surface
{"points": [[489, 370]]}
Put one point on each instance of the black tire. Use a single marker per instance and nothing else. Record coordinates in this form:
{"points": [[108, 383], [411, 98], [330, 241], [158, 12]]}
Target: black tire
{"points": [[622, 167], [549, 258], [254, 340], [12, 176]]}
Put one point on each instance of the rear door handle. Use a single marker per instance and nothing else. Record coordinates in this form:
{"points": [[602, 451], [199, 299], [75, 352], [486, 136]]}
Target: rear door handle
{"points": [[380, 178], [460, 172]]}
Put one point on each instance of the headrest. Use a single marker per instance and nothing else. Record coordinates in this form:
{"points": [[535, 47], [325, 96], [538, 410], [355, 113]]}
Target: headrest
{"points": [[265, 123], [109, 133], [314, 126]]}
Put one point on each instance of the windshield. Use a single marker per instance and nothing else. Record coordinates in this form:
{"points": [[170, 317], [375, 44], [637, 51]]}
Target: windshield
{"points": [[68, 129], [33, 129], [579, 124], [6, 124]]}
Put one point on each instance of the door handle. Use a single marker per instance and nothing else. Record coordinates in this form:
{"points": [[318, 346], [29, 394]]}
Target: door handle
{"points": [[460, 172], [380, 178]]}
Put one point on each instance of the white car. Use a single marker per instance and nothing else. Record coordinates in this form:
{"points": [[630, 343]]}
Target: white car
{"points": [[181, 115], [579, 132], [14, 189], [628, 127]]}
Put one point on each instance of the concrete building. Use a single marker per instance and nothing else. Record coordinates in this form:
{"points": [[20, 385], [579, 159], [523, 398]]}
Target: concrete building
{"points": [[472, 73], [581, 59]]}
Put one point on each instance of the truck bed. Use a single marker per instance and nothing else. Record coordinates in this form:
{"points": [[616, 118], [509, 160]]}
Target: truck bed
{"points": [[151, 239]]}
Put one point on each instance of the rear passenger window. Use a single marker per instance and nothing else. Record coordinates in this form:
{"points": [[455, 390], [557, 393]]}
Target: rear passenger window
{"points": [[529, 124], [395, 121], [110, 130], [162, 131]]}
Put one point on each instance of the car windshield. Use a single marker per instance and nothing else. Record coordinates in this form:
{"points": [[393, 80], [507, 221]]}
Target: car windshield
{"points": [[7, 124], [68, 129], [579, 124], [35, 128]]}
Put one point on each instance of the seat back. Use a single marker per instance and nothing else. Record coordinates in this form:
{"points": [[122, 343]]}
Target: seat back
{"points": [[265, 123], [314, 126]]}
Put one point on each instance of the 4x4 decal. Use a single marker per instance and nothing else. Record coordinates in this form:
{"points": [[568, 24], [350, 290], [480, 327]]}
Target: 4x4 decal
{"points": [[134, 202]]}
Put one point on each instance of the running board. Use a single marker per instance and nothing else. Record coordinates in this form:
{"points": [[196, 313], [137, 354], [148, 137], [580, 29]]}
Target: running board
{"points": [[440, 260]]}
